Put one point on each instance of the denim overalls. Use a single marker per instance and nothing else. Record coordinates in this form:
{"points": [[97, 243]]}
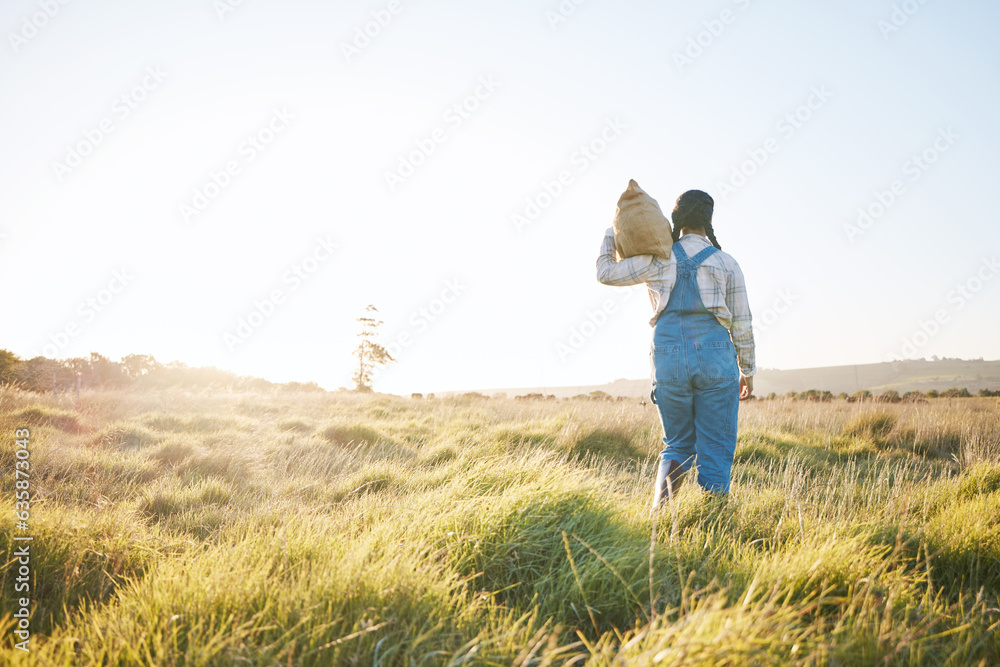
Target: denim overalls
{"points": [[696, 380]]}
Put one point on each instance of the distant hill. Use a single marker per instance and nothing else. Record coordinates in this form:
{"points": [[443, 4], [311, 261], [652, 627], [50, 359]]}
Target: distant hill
{"points": [[901, 376]]}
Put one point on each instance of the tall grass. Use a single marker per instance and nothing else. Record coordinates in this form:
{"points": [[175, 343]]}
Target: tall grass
{"points": [[199, 529]]}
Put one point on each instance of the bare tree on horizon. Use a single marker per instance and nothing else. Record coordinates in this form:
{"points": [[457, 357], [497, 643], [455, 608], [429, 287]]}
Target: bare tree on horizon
{"points": [[368, 352]]}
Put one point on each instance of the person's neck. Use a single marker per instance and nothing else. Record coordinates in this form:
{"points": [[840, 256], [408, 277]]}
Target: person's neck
{"points": [[697, 232]]}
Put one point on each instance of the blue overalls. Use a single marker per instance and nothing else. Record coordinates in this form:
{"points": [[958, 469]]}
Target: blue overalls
{"points": [[696, 380]]}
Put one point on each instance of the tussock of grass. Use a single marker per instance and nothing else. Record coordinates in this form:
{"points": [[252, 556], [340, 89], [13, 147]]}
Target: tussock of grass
{"points": [[350, 434], [228, 464], [295, 426], [982, 478], [192, 424], [165, 502], [439, 456], [876, 425], [36, 415], [83, 475], [172, 453], [964, 542], [125, 436]]}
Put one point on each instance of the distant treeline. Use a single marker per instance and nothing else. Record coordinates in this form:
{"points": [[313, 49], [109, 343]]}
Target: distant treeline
{"points": [[888, 396], [139, 371], [811, 395]]}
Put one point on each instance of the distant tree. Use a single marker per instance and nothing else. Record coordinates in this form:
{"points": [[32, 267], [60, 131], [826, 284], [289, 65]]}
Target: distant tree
{"points": [[860, 395], [369, 353], [771, 396], [138, 365], [913, 395], [889, 396], [8, 365], [39, 374], [844, 396], [956, 393], [302, 386], [933, 393], [816, 396], [102, 372], [792, 395], [988, 393]]}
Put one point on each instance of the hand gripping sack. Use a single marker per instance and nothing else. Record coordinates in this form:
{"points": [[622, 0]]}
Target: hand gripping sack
{"points": [[640, 226]]}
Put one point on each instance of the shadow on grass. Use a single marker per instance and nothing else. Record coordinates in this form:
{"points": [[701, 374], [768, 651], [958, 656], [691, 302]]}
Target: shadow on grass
{"points": [[606, 444], [36, 415]]}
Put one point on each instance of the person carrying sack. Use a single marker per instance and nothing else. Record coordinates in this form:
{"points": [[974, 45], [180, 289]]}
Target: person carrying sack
{"points": [[702, 350]]}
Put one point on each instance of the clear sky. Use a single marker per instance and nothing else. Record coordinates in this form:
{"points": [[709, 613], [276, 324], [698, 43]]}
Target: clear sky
{"points": [[171, 169]]}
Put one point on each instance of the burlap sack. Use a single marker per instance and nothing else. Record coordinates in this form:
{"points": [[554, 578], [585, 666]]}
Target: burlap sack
{"points": [[640, 226]]}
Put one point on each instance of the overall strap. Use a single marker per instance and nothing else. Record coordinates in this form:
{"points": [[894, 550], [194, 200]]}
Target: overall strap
{"points": [[703, 255], [679, 251]]}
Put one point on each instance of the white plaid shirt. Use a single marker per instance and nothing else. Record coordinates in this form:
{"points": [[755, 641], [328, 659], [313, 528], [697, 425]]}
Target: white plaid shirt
{"points": [[720, 282]]}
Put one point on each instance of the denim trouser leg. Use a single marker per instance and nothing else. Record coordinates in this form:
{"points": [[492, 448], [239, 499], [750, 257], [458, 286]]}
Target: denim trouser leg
{"points": [[676, 405], [716, 411], [700, 423]]}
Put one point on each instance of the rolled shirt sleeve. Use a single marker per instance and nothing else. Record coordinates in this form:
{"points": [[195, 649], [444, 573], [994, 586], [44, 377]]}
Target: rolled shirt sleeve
{"points": [[629, 271], [741, 328]]}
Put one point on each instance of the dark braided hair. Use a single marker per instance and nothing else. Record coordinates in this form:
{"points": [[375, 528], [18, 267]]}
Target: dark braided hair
{"points": [[694, 210]]}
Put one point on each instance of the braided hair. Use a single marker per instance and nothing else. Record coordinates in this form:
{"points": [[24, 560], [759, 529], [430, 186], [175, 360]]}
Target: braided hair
{"points": [[694, 210]]}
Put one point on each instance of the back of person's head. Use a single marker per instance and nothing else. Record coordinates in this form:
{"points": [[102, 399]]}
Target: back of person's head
{"points": [[694, 210]]}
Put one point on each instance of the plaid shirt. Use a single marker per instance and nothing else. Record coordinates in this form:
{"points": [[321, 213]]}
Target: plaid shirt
{"points": [[720, 282]]}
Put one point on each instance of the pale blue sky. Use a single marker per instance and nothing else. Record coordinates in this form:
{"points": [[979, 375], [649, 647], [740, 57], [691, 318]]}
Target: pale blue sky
{"points": [[335, 126]]}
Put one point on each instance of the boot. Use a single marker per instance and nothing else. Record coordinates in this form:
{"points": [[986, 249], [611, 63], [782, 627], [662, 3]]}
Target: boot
{"points": [[669, 478]]}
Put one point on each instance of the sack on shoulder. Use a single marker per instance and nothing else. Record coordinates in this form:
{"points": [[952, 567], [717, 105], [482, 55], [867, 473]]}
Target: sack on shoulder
{"points": [[640, 226]]}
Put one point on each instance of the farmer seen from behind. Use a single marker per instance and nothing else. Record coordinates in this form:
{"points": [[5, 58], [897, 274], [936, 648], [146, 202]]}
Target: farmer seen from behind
{"points": [[702, 350]]}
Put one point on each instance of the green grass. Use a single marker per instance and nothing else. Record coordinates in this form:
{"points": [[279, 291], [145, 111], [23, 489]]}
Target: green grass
{"points": [[313, 529]]}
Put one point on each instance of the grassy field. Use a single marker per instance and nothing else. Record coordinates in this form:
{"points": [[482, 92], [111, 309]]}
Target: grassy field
{"points": [[311, 529]]}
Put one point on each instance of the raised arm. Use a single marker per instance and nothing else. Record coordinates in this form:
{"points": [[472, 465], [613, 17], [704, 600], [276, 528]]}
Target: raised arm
{"points": [[741, 329], [629, 271]]}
